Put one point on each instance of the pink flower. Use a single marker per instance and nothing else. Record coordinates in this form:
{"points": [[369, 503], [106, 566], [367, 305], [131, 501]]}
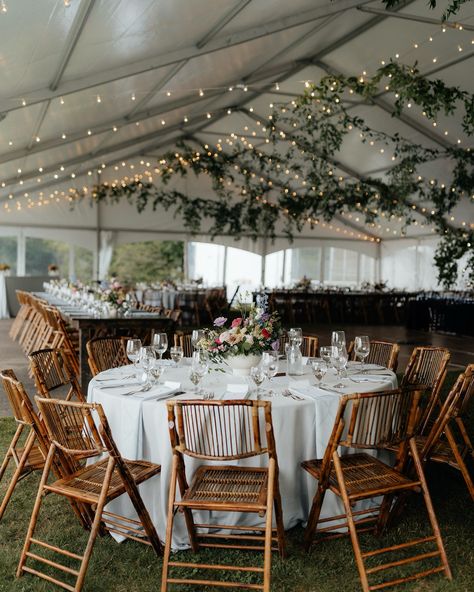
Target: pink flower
{"points": [[236, 322]]}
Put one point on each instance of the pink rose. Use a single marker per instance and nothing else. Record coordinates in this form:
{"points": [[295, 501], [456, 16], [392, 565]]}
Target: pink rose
{"points": [[236, 322]]}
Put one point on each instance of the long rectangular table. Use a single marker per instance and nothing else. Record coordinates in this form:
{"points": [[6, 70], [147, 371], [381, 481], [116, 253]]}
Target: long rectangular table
{"points": [[138, 324]]}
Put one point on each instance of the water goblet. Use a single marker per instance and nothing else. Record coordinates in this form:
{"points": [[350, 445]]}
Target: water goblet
{"points": [[257, 373], [319, 368], [133, 351], [270, 364], [146, 358], [196, 337], [339, 361], [195, 378], [362, 349], [176, 353], [160, 343], [156, 371], [325, 353], [338, 339]]}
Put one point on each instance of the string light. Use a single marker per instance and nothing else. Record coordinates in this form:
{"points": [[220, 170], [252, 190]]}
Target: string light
{"points": [[3, 7]]}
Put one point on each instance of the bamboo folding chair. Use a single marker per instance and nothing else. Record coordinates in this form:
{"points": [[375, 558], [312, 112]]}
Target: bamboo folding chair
{"points": [[22, 315], [224, 431], [52, 370], [29, 456], [310, 346], [426, 369], [184, 340], [374, 421], [105, 353], [448, 441], [74, 438], [67, 342], [383, 353]]}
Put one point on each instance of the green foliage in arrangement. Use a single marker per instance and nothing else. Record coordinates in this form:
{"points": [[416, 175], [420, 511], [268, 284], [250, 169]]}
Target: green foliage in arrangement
{"points": [[453, 7], [293, 181]]}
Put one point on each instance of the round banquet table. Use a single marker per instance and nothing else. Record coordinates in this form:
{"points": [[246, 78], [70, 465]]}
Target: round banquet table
{"points": [[302, 421]]}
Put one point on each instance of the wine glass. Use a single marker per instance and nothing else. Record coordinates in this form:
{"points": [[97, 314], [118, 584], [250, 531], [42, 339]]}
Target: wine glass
{"points": [[196, 337], [160, 343], [176, 353], [319, 368], [325, 353], [338, 339], [362, 349], [157, 370], [339, 361], [257, 373], [270, 364], [295, 335], [133, 351], [195, 378], [146, 358], [199, 365]]}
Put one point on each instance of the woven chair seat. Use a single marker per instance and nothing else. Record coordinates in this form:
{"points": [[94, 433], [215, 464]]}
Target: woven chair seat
{"points": [[231, 486], [441, 452], [364, 475], [34, 461], [86, 484]]}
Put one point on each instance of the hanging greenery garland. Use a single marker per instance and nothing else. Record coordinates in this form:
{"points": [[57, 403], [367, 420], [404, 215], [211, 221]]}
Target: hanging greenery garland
{"points": [[295, 178]]}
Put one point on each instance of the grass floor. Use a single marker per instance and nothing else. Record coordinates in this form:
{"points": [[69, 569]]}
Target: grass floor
{"points": [[329, 567]]}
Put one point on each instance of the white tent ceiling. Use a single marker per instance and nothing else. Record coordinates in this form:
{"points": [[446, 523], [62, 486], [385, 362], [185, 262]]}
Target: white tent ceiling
{"points": [[108, 85]]}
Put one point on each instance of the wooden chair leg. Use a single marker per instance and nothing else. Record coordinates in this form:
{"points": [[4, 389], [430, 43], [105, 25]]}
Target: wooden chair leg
{"points": [[169, 525], [430, 509], [460, 461], [10, 452], [313, 518], [16, 475], [279, 520], [95, 525], [267, 554], [351, 524], [384, 514], [34, 515]]}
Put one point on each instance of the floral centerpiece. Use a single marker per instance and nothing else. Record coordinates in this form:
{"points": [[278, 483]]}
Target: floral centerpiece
{"points": [[4, 267], [115, 297], [303, 284], [242, 343]]}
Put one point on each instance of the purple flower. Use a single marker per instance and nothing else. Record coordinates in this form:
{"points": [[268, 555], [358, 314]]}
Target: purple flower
{"points": [[276, 345], [220, 321]]}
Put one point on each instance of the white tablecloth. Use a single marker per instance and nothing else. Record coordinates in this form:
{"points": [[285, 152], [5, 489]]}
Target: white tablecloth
{"points": [[3, 297], [302, 429]]}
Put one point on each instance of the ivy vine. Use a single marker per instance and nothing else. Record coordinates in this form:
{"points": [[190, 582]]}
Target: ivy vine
{"points": [[294, 177]]}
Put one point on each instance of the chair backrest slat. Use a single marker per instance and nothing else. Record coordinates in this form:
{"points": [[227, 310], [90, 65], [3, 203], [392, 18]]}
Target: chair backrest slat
{"points": [[105, 353], [221, 430], [378, 420], [52, 370]]}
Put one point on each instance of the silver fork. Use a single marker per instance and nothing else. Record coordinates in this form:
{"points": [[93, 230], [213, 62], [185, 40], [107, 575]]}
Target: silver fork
{"points": [[143, 389], [286, 393]]}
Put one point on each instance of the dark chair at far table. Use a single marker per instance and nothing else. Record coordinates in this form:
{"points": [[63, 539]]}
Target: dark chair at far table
{"points": [[105, 353], [52, 371], [224, 431], [80, 431], [383, 353], [184, 340], [373, 421]]}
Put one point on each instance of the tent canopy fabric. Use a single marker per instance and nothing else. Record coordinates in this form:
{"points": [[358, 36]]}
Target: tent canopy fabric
{"points": [[99, 89]]}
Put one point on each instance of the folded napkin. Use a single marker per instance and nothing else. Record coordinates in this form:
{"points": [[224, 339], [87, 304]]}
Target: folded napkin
{"points": [[357, 365], [361, 378], [160, 391], [236, 391]]}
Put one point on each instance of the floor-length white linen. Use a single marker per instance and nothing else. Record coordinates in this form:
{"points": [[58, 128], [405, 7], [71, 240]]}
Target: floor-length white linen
{"points": [[302, 428], [3, 297]]}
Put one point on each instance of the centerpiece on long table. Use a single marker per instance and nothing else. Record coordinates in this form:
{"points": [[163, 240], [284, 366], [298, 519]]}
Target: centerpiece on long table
{"points": [[242, 344]]}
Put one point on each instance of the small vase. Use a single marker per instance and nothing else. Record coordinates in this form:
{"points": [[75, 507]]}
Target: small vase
{"points": [[113, 312], [241, 364]]}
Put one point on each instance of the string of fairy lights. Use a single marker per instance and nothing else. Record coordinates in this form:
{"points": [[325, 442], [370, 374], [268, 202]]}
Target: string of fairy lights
{"points": [[27, 201]]}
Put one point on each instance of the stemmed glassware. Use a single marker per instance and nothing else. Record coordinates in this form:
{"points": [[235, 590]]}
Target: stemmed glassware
{"points": [[176, 354], [362, 349], [339, 361], [133, 351], [325, 353], [269, 364], [147, 358], [199, 368], [338, 339], [257, 373], [160, 343], [319, 368], [196, 337]]}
